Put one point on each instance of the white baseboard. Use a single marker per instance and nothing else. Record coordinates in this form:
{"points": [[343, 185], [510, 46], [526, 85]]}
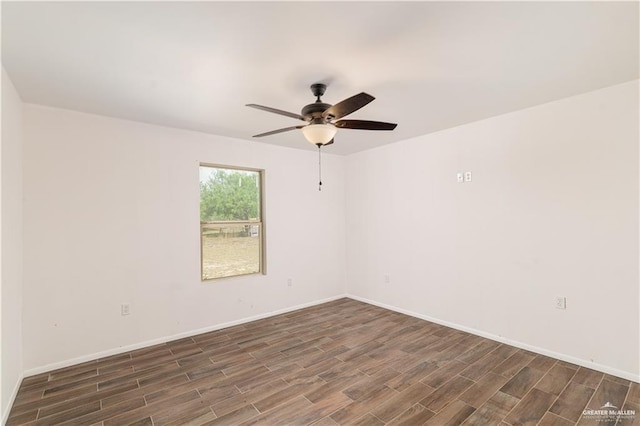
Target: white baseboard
{"points": [[16, 388], [129, 348], [584, 363], [588, 364]]}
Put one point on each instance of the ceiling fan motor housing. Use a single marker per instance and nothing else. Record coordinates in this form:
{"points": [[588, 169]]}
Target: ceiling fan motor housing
{"points": [[314, 110]]}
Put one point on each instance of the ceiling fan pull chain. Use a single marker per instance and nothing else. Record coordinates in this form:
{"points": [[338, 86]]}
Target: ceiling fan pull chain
{"points": [[319, 168]]}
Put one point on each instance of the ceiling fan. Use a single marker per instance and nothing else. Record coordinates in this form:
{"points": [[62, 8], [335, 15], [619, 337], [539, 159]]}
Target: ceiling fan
{"points": [[321, 126]]}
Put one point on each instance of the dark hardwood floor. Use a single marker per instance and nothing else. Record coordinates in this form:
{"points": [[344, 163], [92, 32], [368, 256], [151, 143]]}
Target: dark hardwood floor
{"points": [[343, 362]]}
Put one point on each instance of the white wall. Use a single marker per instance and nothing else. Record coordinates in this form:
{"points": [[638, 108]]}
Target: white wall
{"points": [[552, 211], [111, 215], [11, 244]]}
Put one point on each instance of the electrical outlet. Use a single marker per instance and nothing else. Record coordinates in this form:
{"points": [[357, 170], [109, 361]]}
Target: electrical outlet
{"points": [[289, 282], [387, 279], [460, 177], [561, 302], [467, 176], [125, 309]]}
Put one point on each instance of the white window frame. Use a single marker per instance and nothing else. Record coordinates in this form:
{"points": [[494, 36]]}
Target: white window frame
{"points": [[259, 222]]}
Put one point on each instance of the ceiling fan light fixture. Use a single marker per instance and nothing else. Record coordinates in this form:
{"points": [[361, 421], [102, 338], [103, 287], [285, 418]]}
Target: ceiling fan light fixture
{"points": [[319, 133]]}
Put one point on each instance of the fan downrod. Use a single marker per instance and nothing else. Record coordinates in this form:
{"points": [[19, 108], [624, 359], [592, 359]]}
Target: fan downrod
{"points": [[313, 112], [318, 90]]}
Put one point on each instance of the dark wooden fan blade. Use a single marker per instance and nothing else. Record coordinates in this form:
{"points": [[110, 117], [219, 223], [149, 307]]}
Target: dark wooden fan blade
{"points": [[277, 111], [364, 125], [347, 106], [273, 132], [329, 143]]}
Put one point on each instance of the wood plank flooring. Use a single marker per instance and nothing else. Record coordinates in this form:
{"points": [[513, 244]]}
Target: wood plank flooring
{"points": [[340, 363]]}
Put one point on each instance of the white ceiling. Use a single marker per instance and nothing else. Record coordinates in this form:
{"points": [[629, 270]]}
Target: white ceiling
{"points": [[430, 65]]}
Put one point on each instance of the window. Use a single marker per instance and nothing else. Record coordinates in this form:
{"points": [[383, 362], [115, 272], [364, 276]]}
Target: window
{"points": [[231, 226]]}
